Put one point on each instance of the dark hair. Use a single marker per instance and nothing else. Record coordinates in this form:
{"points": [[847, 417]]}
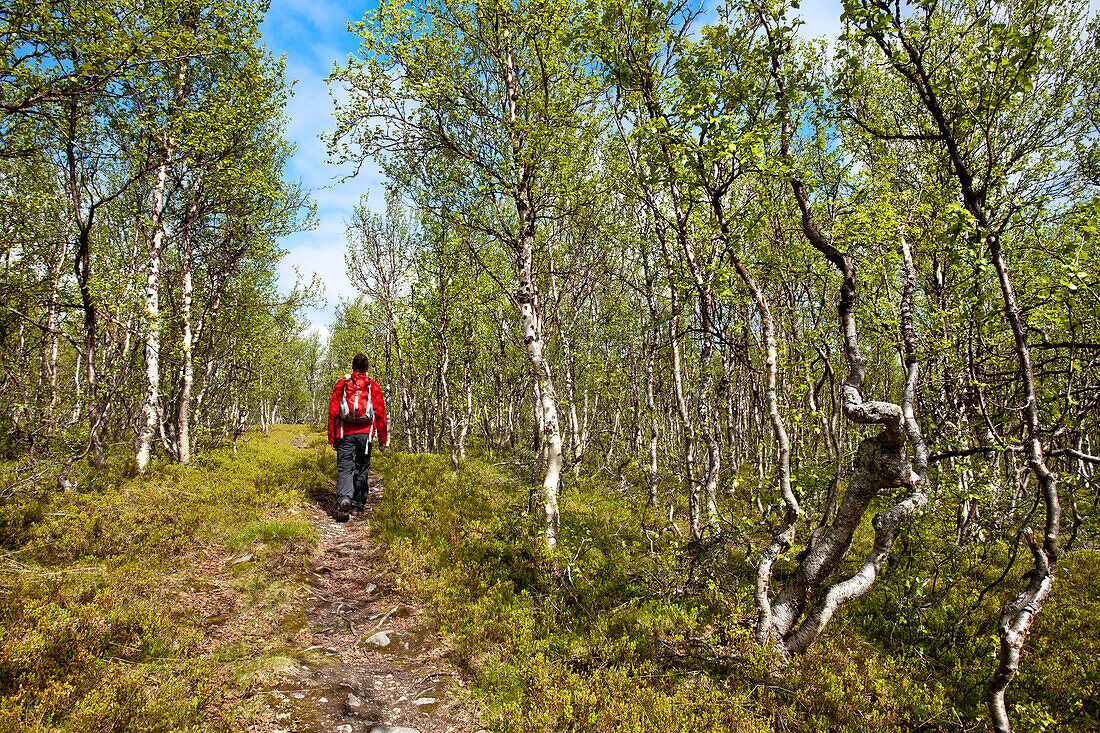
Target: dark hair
{"points": [[360, 363]]}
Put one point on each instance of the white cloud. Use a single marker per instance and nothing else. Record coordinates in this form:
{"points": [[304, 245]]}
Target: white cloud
{"points": [[320, 330], [313, 35], [821, 19]]}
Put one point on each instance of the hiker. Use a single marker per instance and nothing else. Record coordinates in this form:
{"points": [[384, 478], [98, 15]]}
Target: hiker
{"points": [[356, 414]]}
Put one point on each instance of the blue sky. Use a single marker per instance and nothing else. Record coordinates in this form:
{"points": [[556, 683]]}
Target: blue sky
{"points": [[312, 34]]}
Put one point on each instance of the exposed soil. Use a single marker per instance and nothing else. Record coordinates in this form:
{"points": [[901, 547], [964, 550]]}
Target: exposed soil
{"points": [[360, 658]]}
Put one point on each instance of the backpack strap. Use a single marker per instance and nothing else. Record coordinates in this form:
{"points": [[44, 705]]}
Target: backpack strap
{"points": [[343, 398], [370, 401]]}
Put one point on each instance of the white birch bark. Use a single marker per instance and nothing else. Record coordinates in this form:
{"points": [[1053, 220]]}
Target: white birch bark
{"points": [[1018, 615], [183, 418], [50, 348], [571, 397], [447, 420], [155, 244], [206, 326], [880, 462], [527, 299], [407, 415], [651, 352], [468, 389]]}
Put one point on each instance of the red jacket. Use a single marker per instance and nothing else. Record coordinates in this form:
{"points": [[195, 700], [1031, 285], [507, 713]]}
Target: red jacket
{"points": [[338, 428]]}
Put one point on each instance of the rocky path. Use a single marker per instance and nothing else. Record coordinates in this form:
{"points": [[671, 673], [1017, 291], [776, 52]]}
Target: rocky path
{"points": [[367, 661]]}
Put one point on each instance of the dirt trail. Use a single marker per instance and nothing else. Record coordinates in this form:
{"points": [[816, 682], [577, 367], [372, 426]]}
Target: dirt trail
{"points": [[366, 661]]}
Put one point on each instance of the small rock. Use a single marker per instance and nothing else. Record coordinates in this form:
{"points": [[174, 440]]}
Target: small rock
{"points": [[345, 728], [353, 701], [379, 639], [370, 588], [282, 716], [242, 558], [424, 701]]}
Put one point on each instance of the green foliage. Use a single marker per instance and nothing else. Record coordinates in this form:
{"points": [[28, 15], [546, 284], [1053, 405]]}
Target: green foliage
{"points": [[615, 633], [97, 634], [105, 108]]}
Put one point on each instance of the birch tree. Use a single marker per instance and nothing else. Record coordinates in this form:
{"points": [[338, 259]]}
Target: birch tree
{"points": [[91, 91], [482, 103], [1004, 119]]}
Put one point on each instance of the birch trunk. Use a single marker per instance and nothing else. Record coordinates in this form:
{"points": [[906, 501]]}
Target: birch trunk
{"points": [[686, 426], [206, 326], [468, 388], [155, 243], [82, 268], [527, 299], [908, 59], [706, 410], [694, 514], [1018, 615], [447, 421], [183, 419], [784, 534], [651, 353], [406, 405], [881, 462], [47, 374], [571, 397]]}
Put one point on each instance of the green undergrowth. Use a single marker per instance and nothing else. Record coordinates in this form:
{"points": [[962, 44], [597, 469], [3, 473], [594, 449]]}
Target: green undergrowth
{"points": [[628, 628], [101, 588]]}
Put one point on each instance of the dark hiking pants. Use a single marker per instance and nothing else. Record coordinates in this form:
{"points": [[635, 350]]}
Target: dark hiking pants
{"points": [[352, 465]]}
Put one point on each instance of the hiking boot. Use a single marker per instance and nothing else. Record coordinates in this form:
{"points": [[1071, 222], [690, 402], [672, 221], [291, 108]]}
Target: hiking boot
{"points": [[342, 509], [356, 512]]}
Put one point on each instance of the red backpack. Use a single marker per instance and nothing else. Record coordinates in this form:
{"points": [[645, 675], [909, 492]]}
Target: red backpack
{"points": [[355, 402]]}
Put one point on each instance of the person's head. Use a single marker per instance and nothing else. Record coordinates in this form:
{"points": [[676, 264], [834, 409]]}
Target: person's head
{"points": [[360, 363]]}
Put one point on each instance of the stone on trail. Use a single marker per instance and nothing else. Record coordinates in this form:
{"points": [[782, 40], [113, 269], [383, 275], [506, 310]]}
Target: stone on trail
{"points": [[353, 701], [379, 639], [345, 728]]}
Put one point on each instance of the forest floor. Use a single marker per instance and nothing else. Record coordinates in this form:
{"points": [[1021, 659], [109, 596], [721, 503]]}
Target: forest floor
{"points": [[367, 659], [225, 596], [218, 596]]}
